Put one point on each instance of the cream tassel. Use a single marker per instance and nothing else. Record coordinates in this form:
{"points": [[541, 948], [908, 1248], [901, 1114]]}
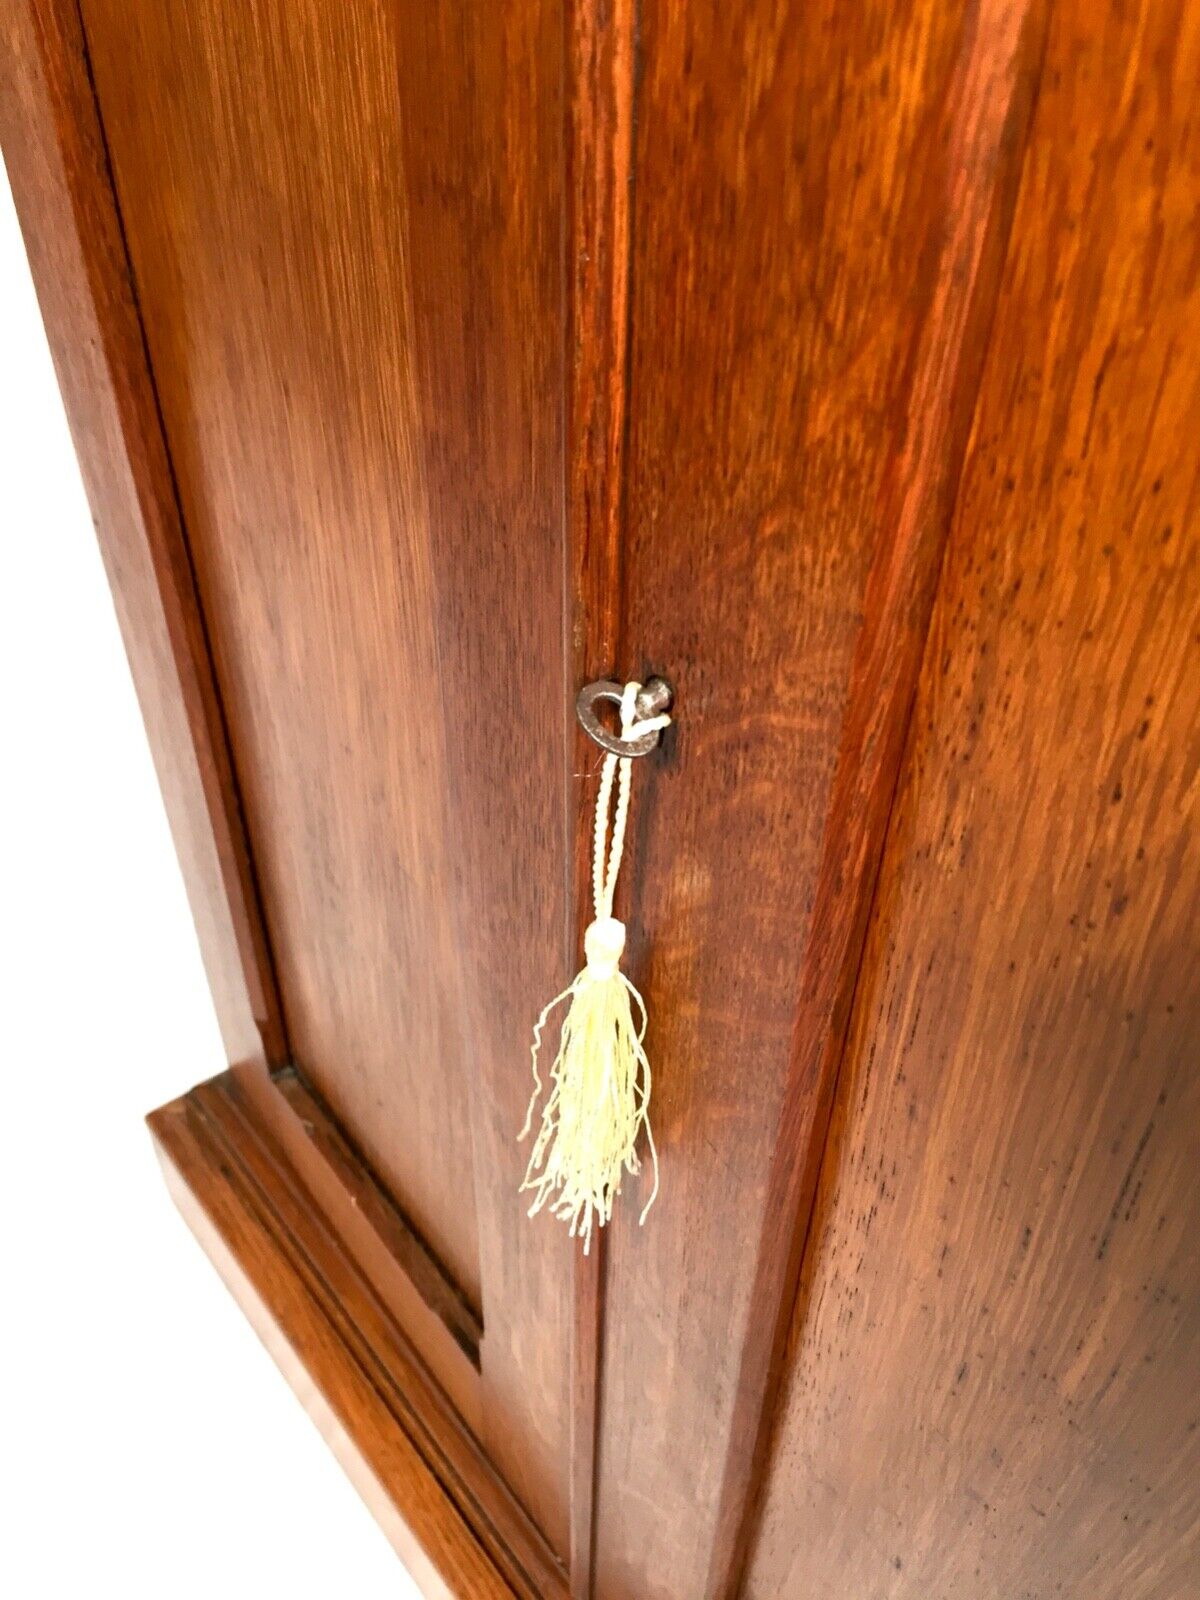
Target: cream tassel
{"points": [[599, 1096]]}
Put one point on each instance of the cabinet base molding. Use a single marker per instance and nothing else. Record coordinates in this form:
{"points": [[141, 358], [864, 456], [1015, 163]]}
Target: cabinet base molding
{"points": [[453, 1521]]}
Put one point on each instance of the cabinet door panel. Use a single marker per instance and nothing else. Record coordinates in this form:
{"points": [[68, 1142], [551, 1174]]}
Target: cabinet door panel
{"points": [[993, 1389]]}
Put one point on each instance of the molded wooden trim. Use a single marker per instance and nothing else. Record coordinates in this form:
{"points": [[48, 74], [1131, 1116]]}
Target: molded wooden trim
{"points": [[453, 1521], [600, 76], [57, 162], [985, 122], [394, 1259], [369, 1201]]}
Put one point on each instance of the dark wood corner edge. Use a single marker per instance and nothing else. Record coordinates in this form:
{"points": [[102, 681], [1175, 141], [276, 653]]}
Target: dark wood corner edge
{"points": [[57, 161], [408, 1451], [398, 1263]]}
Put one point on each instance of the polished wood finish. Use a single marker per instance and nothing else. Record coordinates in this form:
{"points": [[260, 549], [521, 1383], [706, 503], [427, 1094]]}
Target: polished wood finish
{"points": [[368, 1200], [994, 1378], [369, 462], [454, 1522], [481, 98], [376, 1235], [426, 362], [57, 164], [281, 511], [982, 132], [599, 152], [805, 348]]}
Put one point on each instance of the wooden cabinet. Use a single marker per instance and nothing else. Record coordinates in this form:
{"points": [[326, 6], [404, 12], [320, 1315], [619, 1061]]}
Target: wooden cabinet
{"points": [[842, 365]]}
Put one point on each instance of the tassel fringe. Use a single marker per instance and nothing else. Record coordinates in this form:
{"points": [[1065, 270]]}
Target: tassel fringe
{"points": [[598, 1102]]}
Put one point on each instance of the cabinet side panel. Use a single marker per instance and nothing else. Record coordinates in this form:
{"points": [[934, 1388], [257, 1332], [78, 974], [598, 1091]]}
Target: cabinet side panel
{"points": [[997, 1349], [259, 165], [57, 163], [344, 223]]}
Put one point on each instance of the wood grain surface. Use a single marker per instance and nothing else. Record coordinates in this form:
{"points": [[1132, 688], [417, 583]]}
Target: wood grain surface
{"points": [[994, 1382], [598, 124], [839, 364], [481, 103], [820, 203], [57, 164], [454, 1522], [345, 224], [396, 1262], [260, 170]]}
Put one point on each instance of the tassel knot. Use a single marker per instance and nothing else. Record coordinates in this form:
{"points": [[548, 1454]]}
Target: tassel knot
{"points": [[603, 945]]}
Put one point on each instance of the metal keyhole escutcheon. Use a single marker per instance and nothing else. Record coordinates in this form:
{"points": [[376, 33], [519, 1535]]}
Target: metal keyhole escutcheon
{"points": [[653, 697]]}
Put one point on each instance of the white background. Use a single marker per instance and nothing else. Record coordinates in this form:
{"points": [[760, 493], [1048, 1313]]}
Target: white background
{"points": [[148, 1445]]}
